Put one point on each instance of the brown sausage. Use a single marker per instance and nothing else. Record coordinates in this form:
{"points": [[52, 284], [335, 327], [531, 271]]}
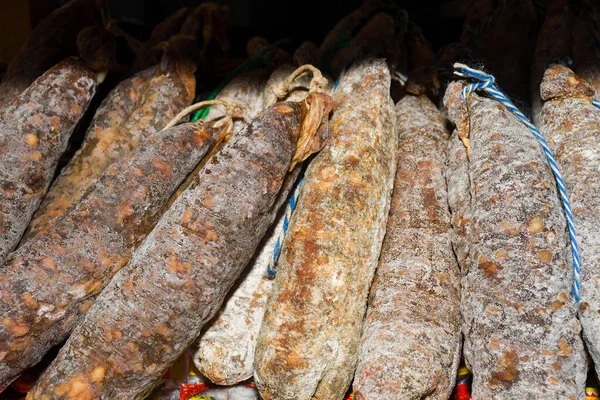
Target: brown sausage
{"points": [[34, 131], [137, 108], [380, 37], [415, 295], [522, 337], [176, 281], [571, 124], [50, 281]]}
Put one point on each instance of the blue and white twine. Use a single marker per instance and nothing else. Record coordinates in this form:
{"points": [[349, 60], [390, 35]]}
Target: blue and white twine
{"points": [[271, 268], [291, 205], [486, 82]]}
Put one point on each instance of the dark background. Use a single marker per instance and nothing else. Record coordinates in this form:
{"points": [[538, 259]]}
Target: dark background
{"points": [[440, 20]]}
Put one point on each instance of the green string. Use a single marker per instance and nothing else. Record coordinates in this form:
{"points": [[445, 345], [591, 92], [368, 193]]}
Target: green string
{"points": [[261, 59]]}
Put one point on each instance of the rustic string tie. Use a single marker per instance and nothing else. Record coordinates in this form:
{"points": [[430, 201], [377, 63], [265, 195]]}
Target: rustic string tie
{"points": [[486, 83], [231, 109], [318, 82]]}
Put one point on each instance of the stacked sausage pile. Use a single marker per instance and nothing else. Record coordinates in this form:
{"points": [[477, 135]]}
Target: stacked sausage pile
{"points": [[304, 239]]}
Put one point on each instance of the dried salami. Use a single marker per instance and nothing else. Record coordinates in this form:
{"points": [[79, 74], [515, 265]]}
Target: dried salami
{"points": [[520, 326], [421, 60], [415, 295], [34, 132], [137, 108], [176, 281], [50, 281], [52, 40], [571, 124], [308, 342], [225, 351], [244, 90]]}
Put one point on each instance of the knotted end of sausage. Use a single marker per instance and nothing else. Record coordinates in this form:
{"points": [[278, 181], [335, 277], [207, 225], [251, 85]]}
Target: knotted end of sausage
{"points": [[559, 81]]}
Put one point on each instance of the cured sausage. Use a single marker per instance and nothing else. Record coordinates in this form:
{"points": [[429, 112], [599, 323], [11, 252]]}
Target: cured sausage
{"points": [[244, 90], [176, 281], [137, 108], [50, 281], [519, 319], [34, 132], [225, 351], [308, 342], [571, 124], [415, 295], [52, 40]]}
